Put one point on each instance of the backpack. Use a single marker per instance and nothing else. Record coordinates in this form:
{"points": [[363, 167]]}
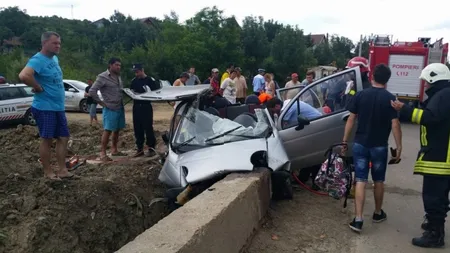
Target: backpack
{"points": [[335, 175]]}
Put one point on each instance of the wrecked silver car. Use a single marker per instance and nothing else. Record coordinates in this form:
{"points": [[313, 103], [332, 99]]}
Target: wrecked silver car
{"points": [[204, 147], [205, 144]]}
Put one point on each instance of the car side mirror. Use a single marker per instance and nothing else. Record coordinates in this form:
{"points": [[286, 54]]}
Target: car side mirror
{"points": [[72, 90], [302, 122]]}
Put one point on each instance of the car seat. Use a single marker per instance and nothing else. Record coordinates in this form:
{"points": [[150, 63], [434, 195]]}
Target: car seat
{"points": [[252, 100], [212, 111], [220, 102], [246, 120], [235, 110]]}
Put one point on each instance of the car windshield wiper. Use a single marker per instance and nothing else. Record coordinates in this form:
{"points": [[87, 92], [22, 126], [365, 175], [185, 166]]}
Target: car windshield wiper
{"points": [[223, 134], [186, 142]]}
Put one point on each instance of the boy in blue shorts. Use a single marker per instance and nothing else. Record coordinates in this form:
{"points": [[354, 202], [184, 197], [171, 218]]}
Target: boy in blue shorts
{"points": [[44, 75], [376, 119]]}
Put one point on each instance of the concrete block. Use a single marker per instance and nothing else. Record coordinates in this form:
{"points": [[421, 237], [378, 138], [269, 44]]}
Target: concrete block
{"points": [[220, 220]]}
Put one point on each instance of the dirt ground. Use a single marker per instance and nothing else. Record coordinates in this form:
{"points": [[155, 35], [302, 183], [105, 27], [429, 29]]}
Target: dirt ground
{"points": [[99, 212], [307, 224]]}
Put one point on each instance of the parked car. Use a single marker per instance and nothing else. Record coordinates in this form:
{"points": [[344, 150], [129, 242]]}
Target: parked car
{"points": [[75, 100], [206, 144], [15, 104]]}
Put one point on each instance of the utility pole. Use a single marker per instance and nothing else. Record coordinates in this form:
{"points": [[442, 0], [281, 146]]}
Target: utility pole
{"points": [[360, 45], [71, 10]]}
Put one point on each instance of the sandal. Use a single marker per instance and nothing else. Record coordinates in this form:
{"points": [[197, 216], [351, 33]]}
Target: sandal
{"points": [[70, 176], [104, 159], [53, 178], [119, 154]]}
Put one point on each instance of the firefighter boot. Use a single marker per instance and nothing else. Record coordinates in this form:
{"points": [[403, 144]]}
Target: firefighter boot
{"points": [[425, 225], [432, 238]]}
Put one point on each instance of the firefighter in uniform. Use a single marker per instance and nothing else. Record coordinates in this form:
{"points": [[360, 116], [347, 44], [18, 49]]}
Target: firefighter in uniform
{"points": [[143, 112], [433, 160]]}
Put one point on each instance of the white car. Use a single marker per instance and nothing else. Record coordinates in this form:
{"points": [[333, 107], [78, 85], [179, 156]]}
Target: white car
{"points": [[15, 104], [75, 100]]}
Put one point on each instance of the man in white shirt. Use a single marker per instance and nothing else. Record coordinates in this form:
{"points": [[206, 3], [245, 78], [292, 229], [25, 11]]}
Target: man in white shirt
{"points": [[259, 82], [228, 87]]}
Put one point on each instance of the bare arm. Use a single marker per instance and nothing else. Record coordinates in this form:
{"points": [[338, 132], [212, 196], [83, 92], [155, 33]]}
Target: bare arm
{"points": [[349, 127], [397, 131], [177, 82], [245, 87], [27, 77], [93, 92]]}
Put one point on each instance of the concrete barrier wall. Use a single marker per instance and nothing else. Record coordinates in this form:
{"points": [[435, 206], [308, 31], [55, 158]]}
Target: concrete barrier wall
{"points": [[220, 220]]}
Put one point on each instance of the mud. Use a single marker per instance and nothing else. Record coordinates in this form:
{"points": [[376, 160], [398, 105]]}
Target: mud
{"points": [[99, 212]]}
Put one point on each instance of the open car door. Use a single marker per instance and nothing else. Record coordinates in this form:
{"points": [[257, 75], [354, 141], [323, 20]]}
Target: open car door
{"points": [[306, 144], [168, 93]]}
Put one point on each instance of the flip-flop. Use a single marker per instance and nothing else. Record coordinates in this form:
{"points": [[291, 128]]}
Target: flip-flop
{"points": [[53, 178], [71, 176], [119, 154], [104, 159]]}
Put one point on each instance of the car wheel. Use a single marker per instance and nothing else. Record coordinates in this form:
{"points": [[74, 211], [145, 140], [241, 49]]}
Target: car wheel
{"points": [[29, 119], [84, 106], [282, 185]]}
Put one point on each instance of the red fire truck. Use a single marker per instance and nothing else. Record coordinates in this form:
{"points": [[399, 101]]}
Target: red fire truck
{"points": [[406, 60]]}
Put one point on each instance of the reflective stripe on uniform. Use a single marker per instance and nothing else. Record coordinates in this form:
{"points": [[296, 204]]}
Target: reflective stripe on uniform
{"points": [[416, 116], [423, 136], [431, 171], [352, 92], [433, 167]]}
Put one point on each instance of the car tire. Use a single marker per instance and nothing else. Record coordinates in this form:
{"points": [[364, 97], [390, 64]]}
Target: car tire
{"points": [[83, 106], [29, 119], [282, 185]]}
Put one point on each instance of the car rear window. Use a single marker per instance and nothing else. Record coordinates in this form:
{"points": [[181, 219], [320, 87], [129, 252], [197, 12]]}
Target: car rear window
{"points": [[27, 91], [10, 93]]}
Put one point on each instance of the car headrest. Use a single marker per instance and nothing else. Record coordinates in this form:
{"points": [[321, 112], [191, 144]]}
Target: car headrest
{"points": [[252, 100], [245, 120], [212, 111]]}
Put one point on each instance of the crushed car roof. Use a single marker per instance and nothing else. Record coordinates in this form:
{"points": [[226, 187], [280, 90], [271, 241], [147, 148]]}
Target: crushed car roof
{"points": [[168, 93]]}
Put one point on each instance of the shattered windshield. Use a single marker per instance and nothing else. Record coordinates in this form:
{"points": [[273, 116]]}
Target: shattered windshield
{"points": [[200, 128]]}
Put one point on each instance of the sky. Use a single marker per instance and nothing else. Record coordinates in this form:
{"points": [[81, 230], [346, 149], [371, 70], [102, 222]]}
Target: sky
{"points": [[404, 20]]}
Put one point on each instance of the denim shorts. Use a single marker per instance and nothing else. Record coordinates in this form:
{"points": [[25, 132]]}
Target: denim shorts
{"points": [[51, 124], [361, 158], [113, 120], [93, 110]]}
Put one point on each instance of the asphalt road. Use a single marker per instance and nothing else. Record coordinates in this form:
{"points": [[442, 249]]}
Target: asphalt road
{"points": [[311, 223], [403, 204]]}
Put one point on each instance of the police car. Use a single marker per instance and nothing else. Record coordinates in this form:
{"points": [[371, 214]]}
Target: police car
{"points": [[15, 104]]}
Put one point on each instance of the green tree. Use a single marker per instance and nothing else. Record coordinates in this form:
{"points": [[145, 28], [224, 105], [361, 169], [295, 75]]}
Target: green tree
{"points": [[166, 47], [342, 48], [365, 44]]}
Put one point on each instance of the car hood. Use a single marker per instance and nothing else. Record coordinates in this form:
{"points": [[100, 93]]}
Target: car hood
{"points": [[206, 163], [169, 93]]}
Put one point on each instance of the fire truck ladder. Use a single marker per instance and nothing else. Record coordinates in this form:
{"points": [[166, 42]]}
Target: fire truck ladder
{"points": [[435, 52], [382, 40]]}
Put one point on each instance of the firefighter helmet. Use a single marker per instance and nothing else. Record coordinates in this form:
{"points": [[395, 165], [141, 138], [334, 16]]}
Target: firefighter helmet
{"points": [[362, 62], [435, 72]]}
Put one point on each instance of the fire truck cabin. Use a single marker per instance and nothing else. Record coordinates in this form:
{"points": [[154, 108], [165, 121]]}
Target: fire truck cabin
{"points": [[406, 61]]}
